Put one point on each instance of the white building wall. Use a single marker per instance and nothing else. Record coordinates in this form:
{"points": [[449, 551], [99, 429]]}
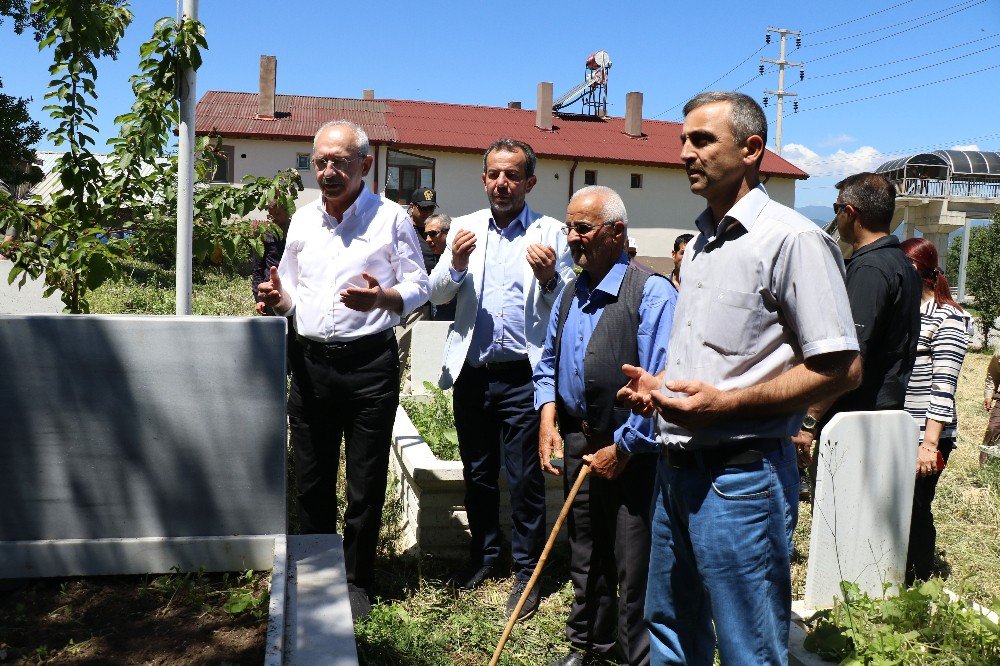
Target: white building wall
{"points": [[658, 211]]}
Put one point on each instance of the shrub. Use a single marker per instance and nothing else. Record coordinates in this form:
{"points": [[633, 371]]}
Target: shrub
{"points": [[435, 421], [923, 625]]}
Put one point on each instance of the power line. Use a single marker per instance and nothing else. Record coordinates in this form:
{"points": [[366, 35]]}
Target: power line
{"points": [[855, 20], [813, 77], [742, 62], [895, 34], [968, 4], [896, 76], [893, 92]]}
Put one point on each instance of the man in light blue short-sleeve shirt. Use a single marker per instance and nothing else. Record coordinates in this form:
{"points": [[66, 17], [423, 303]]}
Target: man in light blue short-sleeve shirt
{"points": [[762, 327]]}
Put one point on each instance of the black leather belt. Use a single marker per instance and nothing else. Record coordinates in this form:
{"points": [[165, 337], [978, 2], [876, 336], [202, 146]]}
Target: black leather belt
{"points": [[723, 456], [573, 424], [340, 350], [522, 365]]}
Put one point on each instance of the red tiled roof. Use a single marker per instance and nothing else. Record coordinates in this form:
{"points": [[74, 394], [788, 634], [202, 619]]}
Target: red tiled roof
{"points": [[456, 127]]}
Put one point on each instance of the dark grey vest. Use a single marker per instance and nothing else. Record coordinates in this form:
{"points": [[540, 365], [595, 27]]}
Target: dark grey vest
{"points": [[613, 343]]}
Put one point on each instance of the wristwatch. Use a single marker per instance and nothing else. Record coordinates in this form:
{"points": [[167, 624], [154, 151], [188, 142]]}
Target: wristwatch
{"points": [[809, 424], [550, 286]]}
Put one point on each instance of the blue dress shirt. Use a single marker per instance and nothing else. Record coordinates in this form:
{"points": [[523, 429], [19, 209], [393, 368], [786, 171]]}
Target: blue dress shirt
{"points": [[498, 335], [656, 312]]}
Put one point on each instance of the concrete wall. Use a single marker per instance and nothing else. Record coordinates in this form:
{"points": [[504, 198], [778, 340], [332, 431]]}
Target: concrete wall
{"points": [[664, 205], [123, 427]]}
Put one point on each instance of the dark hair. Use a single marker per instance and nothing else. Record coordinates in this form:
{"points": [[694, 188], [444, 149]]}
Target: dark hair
{"points": [[925, 257], [745, 116], [512, 146], [873, 196], [682, 240]]}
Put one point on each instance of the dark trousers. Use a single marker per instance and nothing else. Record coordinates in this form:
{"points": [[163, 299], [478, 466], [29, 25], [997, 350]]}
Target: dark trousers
{"points": [[496, 422], [354, 397], [923, 535], [609, 540]]}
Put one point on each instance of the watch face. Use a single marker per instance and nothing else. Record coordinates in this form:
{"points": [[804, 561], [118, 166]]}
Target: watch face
{"points": [[808, 423]]}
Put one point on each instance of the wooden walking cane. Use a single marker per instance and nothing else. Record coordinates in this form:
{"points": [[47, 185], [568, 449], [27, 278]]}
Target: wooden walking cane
{"points": [[584, 471]]}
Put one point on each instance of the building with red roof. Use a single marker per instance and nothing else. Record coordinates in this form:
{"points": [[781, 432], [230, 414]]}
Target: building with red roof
{"points": [[430, 144]]}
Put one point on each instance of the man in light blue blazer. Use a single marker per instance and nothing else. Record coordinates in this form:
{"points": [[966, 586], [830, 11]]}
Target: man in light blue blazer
{"points": [[504, 266]]}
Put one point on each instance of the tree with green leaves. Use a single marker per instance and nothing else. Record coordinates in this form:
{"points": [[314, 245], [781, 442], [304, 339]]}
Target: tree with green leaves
{"points": [[982, 273], [124, 205]]}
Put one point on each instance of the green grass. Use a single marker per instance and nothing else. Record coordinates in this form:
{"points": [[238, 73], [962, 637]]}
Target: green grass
{"points": [[150, 289]]}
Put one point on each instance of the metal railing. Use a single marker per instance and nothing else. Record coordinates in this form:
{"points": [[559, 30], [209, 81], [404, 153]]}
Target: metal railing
{"points": [[933, 187]]}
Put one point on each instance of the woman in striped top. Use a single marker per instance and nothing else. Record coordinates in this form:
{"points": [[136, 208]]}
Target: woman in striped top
{"points": [[930, 396]]}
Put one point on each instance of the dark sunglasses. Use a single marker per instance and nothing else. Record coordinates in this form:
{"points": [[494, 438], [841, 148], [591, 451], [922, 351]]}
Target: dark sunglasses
{"points": [[432, 233], [837, 207]]}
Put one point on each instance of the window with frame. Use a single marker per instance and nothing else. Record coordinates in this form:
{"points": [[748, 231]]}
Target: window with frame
{"points": [[406, 172], [589, 177], [225, 162], [302, 161], [636, 181]]}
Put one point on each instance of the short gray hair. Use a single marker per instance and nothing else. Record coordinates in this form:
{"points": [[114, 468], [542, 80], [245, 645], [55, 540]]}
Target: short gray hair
{"points": [[440, 218], [873, 196], [746, 116], [613, 207], [512, 146], [360, 137]]}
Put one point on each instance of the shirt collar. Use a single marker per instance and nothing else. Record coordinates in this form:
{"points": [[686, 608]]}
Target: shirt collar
{"points": [[521, 220], [744, 212], [611, 283], [885, 241], [359, 204]]}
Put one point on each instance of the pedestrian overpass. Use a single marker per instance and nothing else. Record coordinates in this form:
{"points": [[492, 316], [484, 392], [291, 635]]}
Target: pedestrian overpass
{"points": [[940, 192]]}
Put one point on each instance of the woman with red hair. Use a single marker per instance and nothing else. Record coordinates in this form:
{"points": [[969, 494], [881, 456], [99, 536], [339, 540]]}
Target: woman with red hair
{"points": [[930, 395]]}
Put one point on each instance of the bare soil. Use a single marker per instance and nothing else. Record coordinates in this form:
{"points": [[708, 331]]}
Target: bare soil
{"points": [[171, 619]]}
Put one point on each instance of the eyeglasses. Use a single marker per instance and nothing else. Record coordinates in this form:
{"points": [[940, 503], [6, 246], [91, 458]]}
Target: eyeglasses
{"points": [[433, 233], [338, 163], [583, 229], [837, 207]]}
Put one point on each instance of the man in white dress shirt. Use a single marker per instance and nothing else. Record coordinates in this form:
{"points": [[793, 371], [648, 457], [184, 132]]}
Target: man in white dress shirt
{"points": [[352, 267]]}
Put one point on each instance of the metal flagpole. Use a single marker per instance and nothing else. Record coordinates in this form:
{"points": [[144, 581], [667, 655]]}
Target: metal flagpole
{"points": [[185, 179]]}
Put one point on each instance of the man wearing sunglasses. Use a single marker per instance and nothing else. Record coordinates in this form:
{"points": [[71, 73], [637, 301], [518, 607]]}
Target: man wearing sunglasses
{"points": [[436, 236], [884, 292], [614, 313], [350, 270]]}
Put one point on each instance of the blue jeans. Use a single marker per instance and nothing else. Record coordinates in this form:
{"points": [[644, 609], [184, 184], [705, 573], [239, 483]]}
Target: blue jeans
{"points": [[721, 548]]}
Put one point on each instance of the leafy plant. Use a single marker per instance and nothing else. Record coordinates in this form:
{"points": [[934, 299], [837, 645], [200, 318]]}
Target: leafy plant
{"points": [[435, 421], [125, 205], [982, 270], [244, 597], [923, 625]]}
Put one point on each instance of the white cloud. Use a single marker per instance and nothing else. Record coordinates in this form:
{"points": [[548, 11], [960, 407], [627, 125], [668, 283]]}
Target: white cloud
{"points": [[837, 140], [971, 146], [839, 163]]}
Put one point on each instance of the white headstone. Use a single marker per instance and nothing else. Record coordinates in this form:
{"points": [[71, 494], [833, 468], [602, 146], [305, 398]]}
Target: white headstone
{"points": [[864, 497], [427, 353]]}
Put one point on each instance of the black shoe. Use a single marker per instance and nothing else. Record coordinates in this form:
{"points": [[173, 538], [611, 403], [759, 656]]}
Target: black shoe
{"points": [[573, 658], [470, 576], [361, 607], [530, 604]]}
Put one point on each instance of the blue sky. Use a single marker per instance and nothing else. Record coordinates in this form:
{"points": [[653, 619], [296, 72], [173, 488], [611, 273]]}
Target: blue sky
{"points": [[491, 53]]}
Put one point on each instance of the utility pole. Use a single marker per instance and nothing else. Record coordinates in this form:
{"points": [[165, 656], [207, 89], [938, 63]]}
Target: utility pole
{"points": [[185, 179], [780, 92]]}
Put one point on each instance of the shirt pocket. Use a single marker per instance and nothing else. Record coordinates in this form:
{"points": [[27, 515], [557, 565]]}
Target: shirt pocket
{"points": [[734, 321]]}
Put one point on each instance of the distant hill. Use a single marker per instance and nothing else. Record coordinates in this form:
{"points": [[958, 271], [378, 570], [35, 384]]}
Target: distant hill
{"points": [[821, 215]]}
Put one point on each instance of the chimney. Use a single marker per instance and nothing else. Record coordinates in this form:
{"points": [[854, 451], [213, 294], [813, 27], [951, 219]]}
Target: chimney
{"points": [[513, 105], [543, 110], [633, 114], [268, 76], [368, 93]]}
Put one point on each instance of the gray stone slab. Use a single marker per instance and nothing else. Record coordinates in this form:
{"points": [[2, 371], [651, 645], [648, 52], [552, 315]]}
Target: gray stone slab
{"points": [[319, 628], [864, 497], [105, 557], [274, 651], [427, 353], [28, 299], [121, 427]]}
